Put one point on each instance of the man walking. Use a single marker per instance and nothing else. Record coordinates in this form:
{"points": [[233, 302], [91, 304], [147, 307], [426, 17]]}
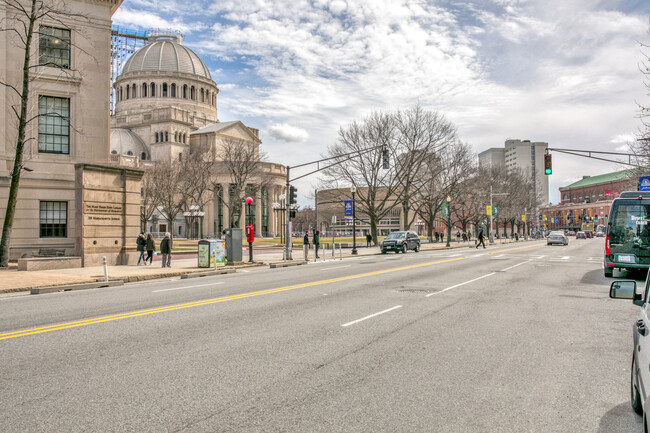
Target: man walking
{"points": [[166, 251], [368, 240], [141, 243], [305, 245], [316, 242], [481, 240]]}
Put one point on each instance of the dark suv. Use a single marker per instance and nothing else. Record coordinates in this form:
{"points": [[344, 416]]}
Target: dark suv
{"points": [[401, 242]]}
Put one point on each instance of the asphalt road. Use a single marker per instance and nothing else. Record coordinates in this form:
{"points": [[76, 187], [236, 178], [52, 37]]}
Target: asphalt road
{"points": [[521, 338]]}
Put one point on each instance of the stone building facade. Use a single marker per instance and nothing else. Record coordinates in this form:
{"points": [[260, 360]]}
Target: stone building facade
{"points": [[69, 100], [166, 104]]}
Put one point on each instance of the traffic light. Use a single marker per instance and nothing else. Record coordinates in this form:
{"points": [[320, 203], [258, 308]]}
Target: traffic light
{"points": [[293, 194], [385, 158], [548, 165]]}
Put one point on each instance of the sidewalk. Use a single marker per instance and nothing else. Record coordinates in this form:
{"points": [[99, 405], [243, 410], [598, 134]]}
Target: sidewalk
{"points": [[11, 280]]}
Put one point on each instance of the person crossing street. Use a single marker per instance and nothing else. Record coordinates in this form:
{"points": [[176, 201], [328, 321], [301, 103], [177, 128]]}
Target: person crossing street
{"points": [[481, 240]]}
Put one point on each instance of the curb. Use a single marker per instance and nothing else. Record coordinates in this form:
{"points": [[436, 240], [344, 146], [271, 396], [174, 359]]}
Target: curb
{"points": [[287, 264], [70, 287], [207, 273]]}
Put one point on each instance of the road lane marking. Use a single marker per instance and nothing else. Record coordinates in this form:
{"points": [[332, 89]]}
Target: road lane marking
{"points": [[519, 248], [461, 284], [371, 316], [187, 287], [102, 319], [514, 266], [335, 267]]}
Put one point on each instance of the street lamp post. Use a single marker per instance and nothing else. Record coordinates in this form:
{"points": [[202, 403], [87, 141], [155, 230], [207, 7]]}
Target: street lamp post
{"points": [[353, 190], [448, 220]]}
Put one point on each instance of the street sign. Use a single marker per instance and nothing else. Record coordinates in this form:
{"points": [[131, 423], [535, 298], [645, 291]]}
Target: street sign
{"points": [[644, 183], [488, 210], [348, 208], [494, 210]]}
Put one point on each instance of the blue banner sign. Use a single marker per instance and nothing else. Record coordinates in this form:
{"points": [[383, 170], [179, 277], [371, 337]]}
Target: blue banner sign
{"points": [[644, 183], [348, 208]]}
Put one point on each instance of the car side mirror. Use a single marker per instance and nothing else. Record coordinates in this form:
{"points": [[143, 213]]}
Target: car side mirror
{"points": [[625, 290]]}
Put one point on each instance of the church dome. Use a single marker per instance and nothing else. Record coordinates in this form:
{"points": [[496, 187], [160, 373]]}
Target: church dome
{"points": [[126, 142], [165, 52]]}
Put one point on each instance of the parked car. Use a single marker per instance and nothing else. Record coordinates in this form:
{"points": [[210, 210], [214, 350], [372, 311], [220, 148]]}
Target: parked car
{"points": [[400, 242], [640, 374], [627, 241], [600, 234], [557, 238], [581, 235], [570, 233]]}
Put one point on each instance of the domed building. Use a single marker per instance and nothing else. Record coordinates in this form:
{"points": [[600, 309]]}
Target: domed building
{"points": [[166, 103]]}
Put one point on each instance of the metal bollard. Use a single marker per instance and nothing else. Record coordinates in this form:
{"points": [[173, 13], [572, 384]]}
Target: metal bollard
{"points": [[105, 270]]}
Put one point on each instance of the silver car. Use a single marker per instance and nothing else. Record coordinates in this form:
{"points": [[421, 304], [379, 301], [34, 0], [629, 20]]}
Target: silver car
{"points": [[640, 374], [557, 238]]}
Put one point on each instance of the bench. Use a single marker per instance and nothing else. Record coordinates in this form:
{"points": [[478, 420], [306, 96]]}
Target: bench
{"points": [[51, 252]]}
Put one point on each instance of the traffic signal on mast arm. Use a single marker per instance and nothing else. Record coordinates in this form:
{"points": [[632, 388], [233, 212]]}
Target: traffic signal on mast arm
{"points": [[548, 165], [293, 194]]}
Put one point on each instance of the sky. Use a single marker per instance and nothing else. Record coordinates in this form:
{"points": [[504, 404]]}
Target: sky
{"points": [[565, 72]]}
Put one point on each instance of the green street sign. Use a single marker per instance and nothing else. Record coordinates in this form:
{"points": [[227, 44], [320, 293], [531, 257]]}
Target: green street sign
{"points": [[445, 210]]}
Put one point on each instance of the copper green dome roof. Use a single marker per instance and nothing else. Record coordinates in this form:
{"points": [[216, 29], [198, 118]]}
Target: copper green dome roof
{"points": [[165, 53]]}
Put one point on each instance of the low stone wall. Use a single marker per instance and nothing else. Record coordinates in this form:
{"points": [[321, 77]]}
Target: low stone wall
{"points": [[47, 263]]}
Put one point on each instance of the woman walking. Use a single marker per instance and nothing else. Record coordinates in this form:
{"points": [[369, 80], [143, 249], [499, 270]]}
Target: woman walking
{"points": [[151, 247]]}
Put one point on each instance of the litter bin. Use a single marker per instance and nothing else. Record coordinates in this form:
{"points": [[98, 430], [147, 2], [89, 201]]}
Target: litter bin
{"points": [[211, 251], [234, 245]]}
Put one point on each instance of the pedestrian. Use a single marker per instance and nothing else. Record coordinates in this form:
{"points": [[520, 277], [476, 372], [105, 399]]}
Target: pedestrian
{"points": [[305, 245], [464, 236], [481, 240], [436, 234], [316, 242], [141, 243], [151, 248], [368, 240], [457, 236], [166, 251]]}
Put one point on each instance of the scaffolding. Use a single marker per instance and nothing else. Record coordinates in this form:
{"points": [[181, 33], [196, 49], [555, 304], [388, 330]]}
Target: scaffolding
{"points": [[124, 42]]}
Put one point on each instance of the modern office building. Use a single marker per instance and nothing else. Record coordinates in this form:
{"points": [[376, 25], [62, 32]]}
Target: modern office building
{"points": [[524, 155]]}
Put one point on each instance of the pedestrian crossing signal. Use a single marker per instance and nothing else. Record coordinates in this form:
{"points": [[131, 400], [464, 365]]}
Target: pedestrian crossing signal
{"points": [[548, 165]]}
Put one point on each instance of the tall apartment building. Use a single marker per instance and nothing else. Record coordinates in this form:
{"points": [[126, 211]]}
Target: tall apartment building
{"points": [[524, 155]]}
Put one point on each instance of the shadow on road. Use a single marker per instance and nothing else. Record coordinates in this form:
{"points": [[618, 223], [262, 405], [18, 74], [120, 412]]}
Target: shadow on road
{"points": [[620, 419]]}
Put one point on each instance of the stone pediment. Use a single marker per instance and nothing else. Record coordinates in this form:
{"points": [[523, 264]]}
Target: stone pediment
{"points": [[235, 130]]}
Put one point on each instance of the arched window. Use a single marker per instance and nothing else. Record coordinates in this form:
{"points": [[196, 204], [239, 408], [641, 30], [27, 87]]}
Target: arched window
{"points": [[166, 136], [176, 137], [202, 95], [193, 94], [121, 96], [143, 156], [133, 91], [156, 137], [128, 91], [184, 137], [173, 90], [113, 152], [185, 91], [129, 153], [164, 90], [144, 90], [153, 90]]}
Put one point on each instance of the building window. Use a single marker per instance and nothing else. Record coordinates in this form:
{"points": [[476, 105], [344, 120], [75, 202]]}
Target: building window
{"points": [[53, 219], [185, 91], [166, 136], [133, 90], [265, 211], [143, 156], [54, 47], [156, 135], [144, 90], [164, 90], [173, 90], [128, 91], [176, 137], [53, 125], [153, 90], [193, 93]]}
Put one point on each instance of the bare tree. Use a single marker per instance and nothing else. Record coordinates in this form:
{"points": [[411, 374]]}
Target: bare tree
{"points": [[420, 133], [149, 198], [376, 186], [22, 23], [442, 174], [170, 190], [244, 163], [305, 219], [197, 174]]}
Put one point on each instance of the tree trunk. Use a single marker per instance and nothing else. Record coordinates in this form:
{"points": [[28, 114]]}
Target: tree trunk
{"points": [[405, 215], [18, 161]]}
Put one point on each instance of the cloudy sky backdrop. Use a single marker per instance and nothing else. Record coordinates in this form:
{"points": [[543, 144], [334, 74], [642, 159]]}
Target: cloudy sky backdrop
{"points": [[561, 71]]}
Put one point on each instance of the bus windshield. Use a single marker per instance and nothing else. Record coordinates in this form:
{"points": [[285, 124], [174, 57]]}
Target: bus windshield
{"points": [[630, 223]]}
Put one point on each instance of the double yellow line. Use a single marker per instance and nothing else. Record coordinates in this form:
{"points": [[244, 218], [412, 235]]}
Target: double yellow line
{"points": [[138, 313]]}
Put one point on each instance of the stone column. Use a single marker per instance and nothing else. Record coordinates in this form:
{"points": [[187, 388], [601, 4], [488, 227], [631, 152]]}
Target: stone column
{"points": [[225, 187], [258, 213]]}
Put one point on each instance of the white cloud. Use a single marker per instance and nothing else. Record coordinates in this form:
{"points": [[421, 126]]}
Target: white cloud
{"points": [[288, 133]]}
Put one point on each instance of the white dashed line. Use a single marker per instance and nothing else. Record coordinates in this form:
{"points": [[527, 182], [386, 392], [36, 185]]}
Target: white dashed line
{"points": [[371, 316]]}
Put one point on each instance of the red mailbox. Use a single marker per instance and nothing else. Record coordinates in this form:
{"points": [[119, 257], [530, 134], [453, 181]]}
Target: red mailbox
{"points": [[250, 233]]}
